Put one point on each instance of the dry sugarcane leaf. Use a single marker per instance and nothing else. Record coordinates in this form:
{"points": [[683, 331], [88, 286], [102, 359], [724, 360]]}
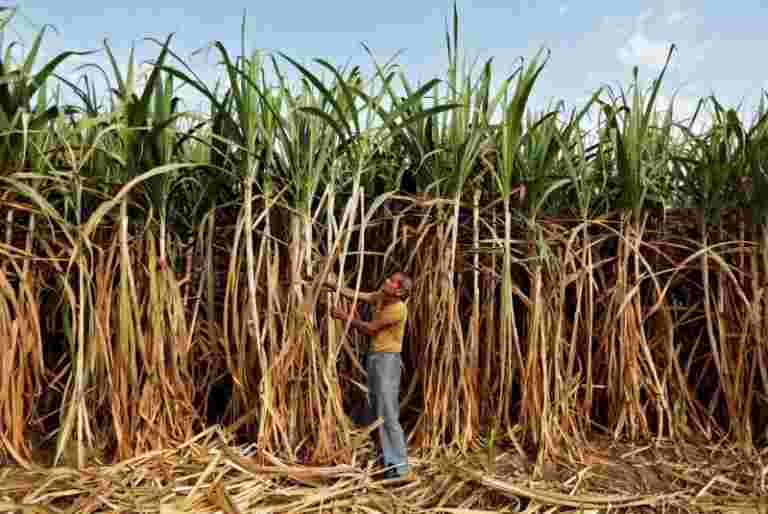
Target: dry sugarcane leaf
{"points": [[219, 497]]}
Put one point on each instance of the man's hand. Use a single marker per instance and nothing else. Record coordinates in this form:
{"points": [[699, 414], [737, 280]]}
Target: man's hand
{"points": [[343, 313], [339, 313]]}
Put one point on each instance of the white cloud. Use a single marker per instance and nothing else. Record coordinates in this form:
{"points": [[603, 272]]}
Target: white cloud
{"points": [[563, 9], [644, 16], [675, 13], [684, 106], [677, 16], [640, 50], [668, 25]]}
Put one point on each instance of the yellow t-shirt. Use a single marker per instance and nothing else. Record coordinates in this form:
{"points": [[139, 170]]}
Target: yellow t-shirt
{"points": [[391, 338]]}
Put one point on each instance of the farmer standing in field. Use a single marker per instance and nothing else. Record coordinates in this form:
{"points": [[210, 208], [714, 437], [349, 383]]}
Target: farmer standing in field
{"points": [[384, 363]]}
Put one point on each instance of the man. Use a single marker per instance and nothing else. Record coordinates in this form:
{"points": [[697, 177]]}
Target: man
{"points": [[384, 364]]}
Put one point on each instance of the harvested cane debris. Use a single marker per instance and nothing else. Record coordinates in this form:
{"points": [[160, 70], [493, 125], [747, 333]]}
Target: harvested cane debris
{"points": [[210, 475]]}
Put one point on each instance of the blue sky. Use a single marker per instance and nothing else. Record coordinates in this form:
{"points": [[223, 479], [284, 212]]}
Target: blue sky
{"points": [[721, 45]]}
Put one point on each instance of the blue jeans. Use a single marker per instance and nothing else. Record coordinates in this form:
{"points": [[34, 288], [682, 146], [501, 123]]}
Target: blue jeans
{"points": [[383, 397]]}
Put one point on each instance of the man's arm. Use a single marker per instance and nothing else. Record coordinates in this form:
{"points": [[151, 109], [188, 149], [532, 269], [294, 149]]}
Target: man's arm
{"points": [[351, 293], [369, 328]]}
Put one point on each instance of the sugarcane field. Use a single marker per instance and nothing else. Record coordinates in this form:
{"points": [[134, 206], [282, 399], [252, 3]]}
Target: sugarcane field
{"points": [[346, 287]]}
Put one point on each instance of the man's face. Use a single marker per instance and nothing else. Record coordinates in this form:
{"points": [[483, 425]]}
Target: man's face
{"points": [[392, 285]]}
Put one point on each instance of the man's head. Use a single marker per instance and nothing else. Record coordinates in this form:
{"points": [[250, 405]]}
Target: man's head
{"points": [[398, 285]]}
